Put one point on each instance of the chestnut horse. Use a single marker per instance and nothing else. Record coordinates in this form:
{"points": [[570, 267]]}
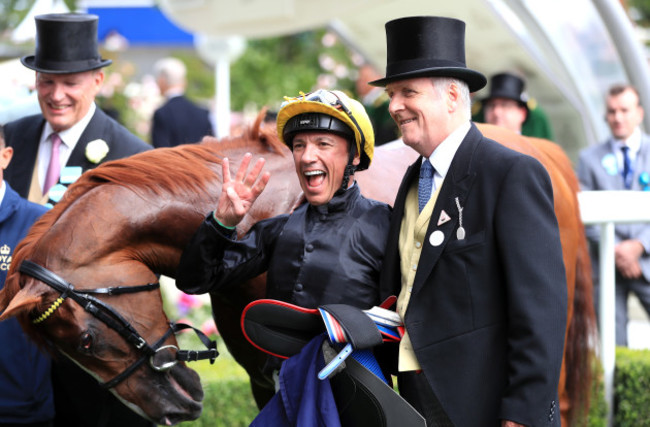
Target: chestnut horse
{"points": [[128, 220]]}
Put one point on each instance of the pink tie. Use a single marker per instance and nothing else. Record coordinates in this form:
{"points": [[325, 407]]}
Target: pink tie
{"points": [[54, 168]]}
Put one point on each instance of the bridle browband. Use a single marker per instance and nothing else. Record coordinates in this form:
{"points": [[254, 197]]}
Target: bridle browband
{"points": [[114, 320]]}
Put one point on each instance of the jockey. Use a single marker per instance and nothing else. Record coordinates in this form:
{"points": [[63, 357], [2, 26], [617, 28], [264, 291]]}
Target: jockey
{"points": [[328, 250]]}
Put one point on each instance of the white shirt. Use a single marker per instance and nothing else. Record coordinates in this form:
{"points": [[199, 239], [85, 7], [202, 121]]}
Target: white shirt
{"points": [[69, 139], [443, 154]]}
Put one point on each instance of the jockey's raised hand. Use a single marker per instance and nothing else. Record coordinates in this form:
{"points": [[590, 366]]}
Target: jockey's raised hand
{"points": [[239, 194]]}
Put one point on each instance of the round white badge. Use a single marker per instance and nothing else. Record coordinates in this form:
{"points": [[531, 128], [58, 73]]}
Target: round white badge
{"points": [[436, 238]]}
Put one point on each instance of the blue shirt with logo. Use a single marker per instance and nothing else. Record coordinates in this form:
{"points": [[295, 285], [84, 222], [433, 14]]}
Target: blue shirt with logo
{"points": [[25, 385]]}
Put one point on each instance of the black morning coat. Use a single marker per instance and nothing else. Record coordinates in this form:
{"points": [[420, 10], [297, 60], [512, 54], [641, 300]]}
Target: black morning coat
{"points": [[179, 121], [24, 135], [487, 315]]}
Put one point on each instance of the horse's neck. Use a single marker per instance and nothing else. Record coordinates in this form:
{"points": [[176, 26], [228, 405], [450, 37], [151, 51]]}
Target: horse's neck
{"points": [[168, 235]]}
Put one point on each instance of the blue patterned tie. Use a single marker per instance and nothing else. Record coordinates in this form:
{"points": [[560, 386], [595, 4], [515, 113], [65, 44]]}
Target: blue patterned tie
{"points": [[628, 172], [425, 184]]}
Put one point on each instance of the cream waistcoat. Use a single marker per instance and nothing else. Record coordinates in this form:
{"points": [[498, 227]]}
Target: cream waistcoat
{"points": [[411, 239]]}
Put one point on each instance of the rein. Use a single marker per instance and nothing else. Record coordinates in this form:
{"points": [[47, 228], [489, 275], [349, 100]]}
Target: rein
{"points": [[114, 320]]}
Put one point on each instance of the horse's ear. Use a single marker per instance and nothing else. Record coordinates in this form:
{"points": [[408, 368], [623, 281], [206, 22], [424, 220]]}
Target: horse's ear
{"points": [[24, 301], [257, 125]]}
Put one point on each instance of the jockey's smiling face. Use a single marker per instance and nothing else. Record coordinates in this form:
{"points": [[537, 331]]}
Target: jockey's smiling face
{"points": [[320, 159]]}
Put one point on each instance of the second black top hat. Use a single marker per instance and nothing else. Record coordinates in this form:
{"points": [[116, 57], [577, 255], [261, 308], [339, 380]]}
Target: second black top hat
{"points": [[427, 46], [507, 86]]}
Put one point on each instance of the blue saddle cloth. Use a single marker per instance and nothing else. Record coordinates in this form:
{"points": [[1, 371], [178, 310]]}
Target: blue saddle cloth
{"points": [[303, 400]]}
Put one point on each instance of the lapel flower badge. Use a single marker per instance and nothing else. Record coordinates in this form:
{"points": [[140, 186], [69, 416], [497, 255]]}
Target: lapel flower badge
{"points": [[644, 180], [96, 150], [610, 164]]}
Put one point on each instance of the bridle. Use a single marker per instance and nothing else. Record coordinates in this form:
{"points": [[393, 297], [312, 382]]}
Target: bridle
{"points": [[114, 320]]}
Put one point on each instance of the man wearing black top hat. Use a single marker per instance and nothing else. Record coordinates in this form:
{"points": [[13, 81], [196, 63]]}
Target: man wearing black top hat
{"points": [[506, 105], [51, 150], [71, 135], [509, 106], [474, 249]]}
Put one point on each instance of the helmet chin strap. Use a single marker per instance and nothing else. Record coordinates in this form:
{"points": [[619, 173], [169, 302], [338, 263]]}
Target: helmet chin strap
{"points": [[350, 168]]}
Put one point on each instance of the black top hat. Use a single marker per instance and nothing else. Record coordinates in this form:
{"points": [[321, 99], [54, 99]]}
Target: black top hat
{"points": [[427, 46], [508, 86], [65, 43]]}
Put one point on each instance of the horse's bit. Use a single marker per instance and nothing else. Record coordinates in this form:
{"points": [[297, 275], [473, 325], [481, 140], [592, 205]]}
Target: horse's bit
{"points": [[115, 321]]}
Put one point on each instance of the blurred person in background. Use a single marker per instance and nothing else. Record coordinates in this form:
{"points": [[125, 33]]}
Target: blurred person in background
{"points": [[508, 105], [620, 163], [179, 120]]}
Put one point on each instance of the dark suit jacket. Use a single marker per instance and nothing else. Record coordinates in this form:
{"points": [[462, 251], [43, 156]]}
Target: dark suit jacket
{"points": [[487, 314], [179, 121], [24, 135]]}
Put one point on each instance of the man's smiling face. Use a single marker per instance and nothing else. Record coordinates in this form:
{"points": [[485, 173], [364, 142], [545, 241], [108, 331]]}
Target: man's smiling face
{"points": [[66, 98], [420, 113], [320, 159]]}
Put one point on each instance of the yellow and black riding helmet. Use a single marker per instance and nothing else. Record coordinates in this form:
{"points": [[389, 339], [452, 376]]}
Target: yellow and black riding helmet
{"points": [[331, 111]]}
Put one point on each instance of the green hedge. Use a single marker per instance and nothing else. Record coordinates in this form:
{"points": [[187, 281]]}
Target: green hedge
{"points": [[632, 388], [228, 401]]}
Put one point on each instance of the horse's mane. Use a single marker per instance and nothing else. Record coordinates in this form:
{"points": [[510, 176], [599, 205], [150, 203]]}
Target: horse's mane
{"points": [[187, 167]]}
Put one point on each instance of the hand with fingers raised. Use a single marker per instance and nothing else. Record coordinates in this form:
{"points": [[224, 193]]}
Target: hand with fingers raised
{"points": [[239, 194]]}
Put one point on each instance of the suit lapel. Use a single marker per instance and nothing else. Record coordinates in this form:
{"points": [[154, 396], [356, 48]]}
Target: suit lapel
{"points": [[390, 277], [92, 132], [25, 155], [615, 179], [457, 184], [642, 163]]}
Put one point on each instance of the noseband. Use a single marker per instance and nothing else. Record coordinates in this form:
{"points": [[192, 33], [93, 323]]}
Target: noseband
{"points": [[114, 320]]}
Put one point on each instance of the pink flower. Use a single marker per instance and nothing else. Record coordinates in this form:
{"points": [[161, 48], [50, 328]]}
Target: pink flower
{"points": [[186, 302], [209, 328]]}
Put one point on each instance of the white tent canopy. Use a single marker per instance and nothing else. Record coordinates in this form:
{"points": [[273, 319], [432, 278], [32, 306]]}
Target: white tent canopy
{"points": [[565, 49]]}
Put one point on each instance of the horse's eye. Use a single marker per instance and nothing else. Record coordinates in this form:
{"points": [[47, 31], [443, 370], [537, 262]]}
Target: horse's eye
{"points": [[86, 341]]}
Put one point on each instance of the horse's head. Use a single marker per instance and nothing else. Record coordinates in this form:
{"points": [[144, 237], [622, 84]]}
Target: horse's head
{"points": [[122, 339], [120, 225]]}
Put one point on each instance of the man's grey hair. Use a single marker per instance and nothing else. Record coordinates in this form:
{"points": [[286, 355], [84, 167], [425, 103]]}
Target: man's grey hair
{"points": [[173, 70], [441, 85]]}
